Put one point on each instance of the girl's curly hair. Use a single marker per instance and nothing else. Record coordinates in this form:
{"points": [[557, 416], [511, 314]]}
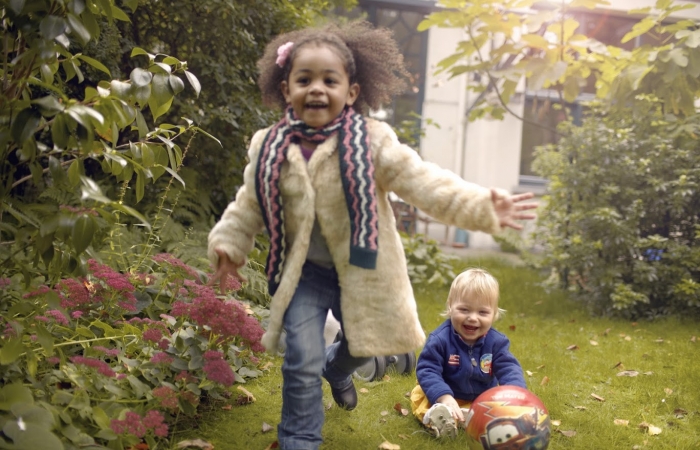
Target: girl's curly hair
{"points": [[371, 55]]}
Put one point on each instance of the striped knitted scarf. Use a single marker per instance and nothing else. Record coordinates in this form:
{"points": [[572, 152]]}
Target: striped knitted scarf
{"points": [[356, 171]]}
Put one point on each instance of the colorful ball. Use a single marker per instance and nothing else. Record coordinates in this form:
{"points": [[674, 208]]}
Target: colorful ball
{"points": [[508, 418]]}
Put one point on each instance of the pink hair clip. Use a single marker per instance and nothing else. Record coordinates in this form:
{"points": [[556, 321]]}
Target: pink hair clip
{"points": [[283, 53]]}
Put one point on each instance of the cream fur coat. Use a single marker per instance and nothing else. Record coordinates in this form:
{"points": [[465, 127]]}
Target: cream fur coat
{"points": [[379, 311]]}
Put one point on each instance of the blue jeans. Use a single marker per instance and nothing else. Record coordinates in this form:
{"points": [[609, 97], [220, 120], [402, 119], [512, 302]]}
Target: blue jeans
{"points": [[307, 359]]}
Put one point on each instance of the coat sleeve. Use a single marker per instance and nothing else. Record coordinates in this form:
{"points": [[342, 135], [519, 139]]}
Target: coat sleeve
{"points": [[429, 369], [235, 232], [438, 192], [506, 367]]}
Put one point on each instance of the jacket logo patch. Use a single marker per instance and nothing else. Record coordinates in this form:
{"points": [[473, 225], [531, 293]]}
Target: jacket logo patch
{"points": [[453, 361], [485, 363]]}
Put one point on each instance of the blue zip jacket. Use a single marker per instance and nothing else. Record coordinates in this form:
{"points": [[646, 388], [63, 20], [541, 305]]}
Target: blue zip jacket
{"points": [[447, 365]]}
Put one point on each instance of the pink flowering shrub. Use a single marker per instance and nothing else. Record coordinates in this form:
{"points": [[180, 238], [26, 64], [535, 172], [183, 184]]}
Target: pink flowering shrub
{"points": [[128, 351]]}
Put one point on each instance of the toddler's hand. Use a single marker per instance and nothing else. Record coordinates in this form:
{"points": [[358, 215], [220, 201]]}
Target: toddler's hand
{"points": [[225, 268], [455, 409], [508, 208]]}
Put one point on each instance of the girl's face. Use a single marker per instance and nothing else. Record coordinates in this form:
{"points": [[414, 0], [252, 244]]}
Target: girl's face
{"points": [[318, 88], [471, 318]]}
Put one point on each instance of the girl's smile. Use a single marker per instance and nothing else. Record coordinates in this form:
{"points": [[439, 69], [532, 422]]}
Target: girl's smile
{"points": [[318, 87]]}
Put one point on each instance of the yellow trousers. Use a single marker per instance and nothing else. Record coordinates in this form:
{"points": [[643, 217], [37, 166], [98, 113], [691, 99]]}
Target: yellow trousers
{"points": [[420, 404]]}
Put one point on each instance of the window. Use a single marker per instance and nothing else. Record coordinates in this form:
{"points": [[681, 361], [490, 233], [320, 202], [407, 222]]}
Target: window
{"points": [[403, 17]]}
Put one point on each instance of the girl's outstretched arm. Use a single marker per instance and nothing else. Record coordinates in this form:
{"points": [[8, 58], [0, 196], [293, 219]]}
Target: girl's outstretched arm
{"points": [[508, 208]]}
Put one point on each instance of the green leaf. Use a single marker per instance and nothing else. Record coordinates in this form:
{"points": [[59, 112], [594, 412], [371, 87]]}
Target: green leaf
{"points": [[140, 77], [140, 388], [140, 185], [175, 175], [94, 63], [17, 6], [49, 105], [14, 393], [57, 172], [141, 125], [79, 29], [11, 351], [74, 171], [33, 414], [176, 84], [83, 232], [194, 82], [52, 26], [139, 51], [120, 89], [31, 437], [25, 124], [639, 28], [92, 191], [100, 417]]}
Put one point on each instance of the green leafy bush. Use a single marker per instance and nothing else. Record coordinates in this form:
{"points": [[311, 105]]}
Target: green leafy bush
{"points": [[427, 264], [621, 226]]}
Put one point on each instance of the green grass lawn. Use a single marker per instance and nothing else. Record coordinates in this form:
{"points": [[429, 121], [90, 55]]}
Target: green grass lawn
{"points": [[571, 357]]}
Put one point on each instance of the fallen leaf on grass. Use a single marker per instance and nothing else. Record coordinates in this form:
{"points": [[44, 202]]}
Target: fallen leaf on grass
{"points": [[384, 413], [386, 445], [529, 374], [226, 407], [619, 364], [598, 397], [364, 390], [628, 338], [693, 339], [572, 347], [266, 366], [568, 433], [651, 429], [540, 367], [404, 436], [668, 391], [251, 397], [273, 445], [594, 343], [580, 408], [544, 381], [329, 405], [627, 373], [195, 443], [266, 427], [556, 423], [649, 373], [621, 422], [400, 410], [680, 413], [659, 341], [512, 327], [386, 378]]}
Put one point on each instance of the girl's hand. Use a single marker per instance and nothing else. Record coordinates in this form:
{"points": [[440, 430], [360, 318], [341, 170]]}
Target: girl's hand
{"points": [[508, 208], [225, 269]]}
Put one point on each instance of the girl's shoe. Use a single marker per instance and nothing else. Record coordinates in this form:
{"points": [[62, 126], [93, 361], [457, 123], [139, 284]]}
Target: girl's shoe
{"points": [[439, 421]]}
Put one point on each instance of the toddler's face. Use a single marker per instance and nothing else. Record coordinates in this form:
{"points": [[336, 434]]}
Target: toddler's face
{"points": [[318, 87], [471, 318]]}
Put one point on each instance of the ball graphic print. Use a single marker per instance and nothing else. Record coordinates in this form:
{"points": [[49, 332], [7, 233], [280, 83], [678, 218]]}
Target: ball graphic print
{"points": [[508, 418]]}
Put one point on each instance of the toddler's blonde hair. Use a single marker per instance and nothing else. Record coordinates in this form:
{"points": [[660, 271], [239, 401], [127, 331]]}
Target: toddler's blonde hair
{"points": [[475, 283]]}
